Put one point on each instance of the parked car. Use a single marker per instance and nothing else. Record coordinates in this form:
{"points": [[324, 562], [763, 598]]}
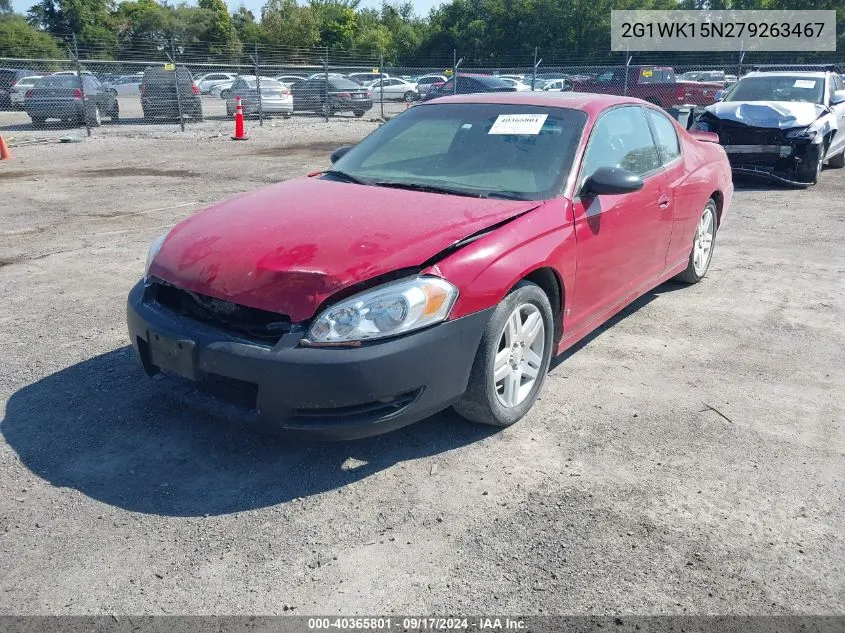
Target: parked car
{"points": [[781, 125], [655, 84], [159, 94], [209, 80], [61, 97], [274, 97], [516, 83], [557, 85], [288, 80], [18, 91], [8, 78], [447, 237], [220, 91], [73, 73], [467, 84], [394, 89], [425, 82], [363, 79], [126, 86], [338, 94]]}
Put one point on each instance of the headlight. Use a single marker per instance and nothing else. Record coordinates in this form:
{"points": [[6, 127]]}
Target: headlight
{"points": [[808, 133], [387, 310], [155, 247]]}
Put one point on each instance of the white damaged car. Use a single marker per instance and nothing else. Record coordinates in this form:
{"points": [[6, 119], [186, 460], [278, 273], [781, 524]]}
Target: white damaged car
{"points": [[781, 125]]}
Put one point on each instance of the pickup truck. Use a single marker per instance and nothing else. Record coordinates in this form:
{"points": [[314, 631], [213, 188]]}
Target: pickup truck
{"points": [[656, 84]]}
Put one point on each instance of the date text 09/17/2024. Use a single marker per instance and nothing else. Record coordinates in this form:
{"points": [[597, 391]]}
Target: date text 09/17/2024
{"points": [[491, 623]]}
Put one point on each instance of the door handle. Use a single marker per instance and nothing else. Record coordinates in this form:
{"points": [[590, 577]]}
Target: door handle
{"points": [[663, 202]]}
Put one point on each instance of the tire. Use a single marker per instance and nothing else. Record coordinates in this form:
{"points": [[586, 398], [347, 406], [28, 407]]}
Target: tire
{"points": [[809, 171], [115, 113], [838, 161], [286, 115], [38, 120], [326, 109], [95, 119], [486, 399], [408, 97], [359, 113], [702, 250]]}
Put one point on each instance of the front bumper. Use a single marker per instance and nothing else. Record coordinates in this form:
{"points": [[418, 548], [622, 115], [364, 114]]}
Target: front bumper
{"points": [[333, 393]]}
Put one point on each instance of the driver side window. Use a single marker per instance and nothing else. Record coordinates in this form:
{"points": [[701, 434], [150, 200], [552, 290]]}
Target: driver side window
{"points": [[621, 138]]}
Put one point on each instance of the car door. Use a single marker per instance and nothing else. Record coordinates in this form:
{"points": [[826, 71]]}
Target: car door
{"points": [[621, 239]]}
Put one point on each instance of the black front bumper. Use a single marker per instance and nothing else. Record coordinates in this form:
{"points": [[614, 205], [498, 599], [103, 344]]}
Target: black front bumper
{"points": [[334, 393]]}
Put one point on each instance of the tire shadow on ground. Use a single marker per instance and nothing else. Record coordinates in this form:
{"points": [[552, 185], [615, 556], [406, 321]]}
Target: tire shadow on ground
{"points": [[102, 428]]}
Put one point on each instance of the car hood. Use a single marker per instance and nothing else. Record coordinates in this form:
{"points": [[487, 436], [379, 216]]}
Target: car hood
{"points": [[288, 247], [769, 114]]}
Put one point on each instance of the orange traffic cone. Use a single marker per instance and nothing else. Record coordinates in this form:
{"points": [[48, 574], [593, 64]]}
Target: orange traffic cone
{"points": [[5, 154], [239, 122]]}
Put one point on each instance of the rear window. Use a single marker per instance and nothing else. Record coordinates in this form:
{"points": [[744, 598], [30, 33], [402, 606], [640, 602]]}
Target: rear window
{"points": [[265, 83], [343, 84], [494, 82], [160, 75], [58, 81]]}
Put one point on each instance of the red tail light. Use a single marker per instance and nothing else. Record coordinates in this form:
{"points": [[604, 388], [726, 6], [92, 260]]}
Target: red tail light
{"points": [[195, 88], [369, 94], [77, 93], [28, 94]]}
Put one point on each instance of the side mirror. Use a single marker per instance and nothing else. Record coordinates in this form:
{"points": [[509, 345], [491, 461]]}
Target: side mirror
{"points": [[339, 152], [720, 94], [612, 180], [838, 97]]}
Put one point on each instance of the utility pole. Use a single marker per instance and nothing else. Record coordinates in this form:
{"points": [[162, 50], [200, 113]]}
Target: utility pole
{"points": [[627, 66], [381, 82], [81, 86], [534, 70], [455, 74], [326, 103]]}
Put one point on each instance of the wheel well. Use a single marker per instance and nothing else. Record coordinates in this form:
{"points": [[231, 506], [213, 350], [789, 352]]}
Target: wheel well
{"points": [[719, 199], [548, 281]]}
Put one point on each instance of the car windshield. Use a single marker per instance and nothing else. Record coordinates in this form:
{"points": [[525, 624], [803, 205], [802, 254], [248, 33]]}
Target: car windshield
{"points": [[778, 88], [486, 150], [342, 84]]}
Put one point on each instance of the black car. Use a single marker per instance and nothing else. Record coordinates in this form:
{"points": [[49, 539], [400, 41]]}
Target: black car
{"points": [[159, 94], [468, 84], [338, 94], [66, 98], [8, 78]]}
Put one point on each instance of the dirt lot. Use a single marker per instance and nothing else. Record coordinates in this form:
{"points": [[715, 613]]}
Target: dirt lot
{"points": [[686, 459]]}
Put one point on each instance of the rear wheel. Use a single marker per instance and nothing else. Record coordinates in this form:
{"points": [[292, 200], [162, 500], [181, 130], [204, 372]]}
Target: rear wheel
{"points": [[358, 113], [95, 118], [512, 359], [115, 112], [702, 246], [326, 109]]}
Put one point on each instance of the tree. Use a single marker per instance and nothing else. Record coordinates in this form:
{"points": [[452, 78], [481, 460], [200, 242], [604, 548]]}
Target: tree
{"points": [[221, 33], [18, 38], [5, 6], [287, 24], [246, 27]]}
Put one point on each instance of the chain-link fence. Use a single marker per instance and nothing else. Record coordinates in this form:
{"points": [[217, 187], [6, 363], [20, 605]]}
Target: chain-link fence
{"points": [[162, 84]]}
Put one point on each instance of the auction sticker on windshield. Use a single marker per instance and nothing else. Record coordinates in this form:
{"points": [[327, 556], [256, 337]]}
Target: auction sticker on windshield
{"points": [[518, 124]]}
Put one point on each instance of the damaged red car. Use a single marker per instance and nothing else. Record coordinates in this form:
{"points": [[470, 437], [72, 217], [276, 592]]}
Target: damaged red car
{"points": [[442, 261]]}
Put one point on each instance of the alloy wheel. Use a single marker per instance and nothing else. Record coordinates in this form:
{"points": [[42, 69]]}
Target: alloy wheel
{"points": [[520, 355], [703, 246]]}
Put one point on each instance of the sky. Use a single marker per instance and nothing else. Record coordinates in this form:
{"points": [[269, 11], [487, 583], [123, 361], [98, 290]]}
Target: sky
{"points": [[422, 7]]}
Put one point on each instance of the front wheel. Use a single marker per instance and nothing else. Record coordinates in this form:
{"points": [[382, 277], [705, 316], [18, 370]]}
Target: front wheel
{"points": [[512, 359], [702, 246], [810, 169], [408, 97]]}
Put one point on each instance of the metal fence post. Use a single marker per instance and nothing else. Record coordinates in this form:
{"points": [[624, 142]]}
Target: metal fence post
{"points": [[326, 104], [172, 57], [81, 86], [381, 82], [258, 87]]}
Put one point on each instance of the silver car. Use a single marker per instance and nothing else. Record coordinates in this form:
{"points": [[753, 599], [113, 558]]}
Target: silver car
{"points": [[275, 97]]}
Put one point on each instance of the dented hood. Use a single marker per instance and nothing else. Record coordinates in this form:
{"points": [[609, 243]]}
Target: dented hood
{"points": [[770, 114], [288, 247]]}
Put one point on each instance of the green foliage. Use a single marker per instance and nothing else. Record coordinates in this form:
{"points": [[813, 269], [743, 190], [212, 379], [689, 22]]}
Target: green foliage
{"points": [[18, 38]]}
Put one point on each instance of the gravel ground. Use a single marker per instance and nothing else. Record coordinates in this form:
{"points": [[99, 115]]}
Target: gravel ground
{"points": [[686, 459]]}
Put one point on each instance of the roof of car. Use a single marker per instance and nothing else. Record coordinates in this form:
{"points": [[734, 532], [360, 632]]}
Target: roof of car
{"points": [[818, 74], [590, 102]]}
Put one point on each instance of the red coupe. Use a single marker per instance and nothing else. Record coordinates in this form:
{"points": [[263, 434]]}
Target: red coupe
{"points": [[442, 261]]}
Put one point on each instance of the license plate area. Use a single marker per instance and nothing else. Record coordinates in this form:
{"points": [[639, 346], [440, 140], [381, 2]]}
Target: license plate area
{"points": [[177, 356]]}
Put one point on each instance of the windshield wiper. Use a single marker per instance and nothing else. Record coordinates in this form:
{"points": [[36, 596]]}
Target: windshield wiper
{"points": [[506, 195], [342, 175], [427, 188]]}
